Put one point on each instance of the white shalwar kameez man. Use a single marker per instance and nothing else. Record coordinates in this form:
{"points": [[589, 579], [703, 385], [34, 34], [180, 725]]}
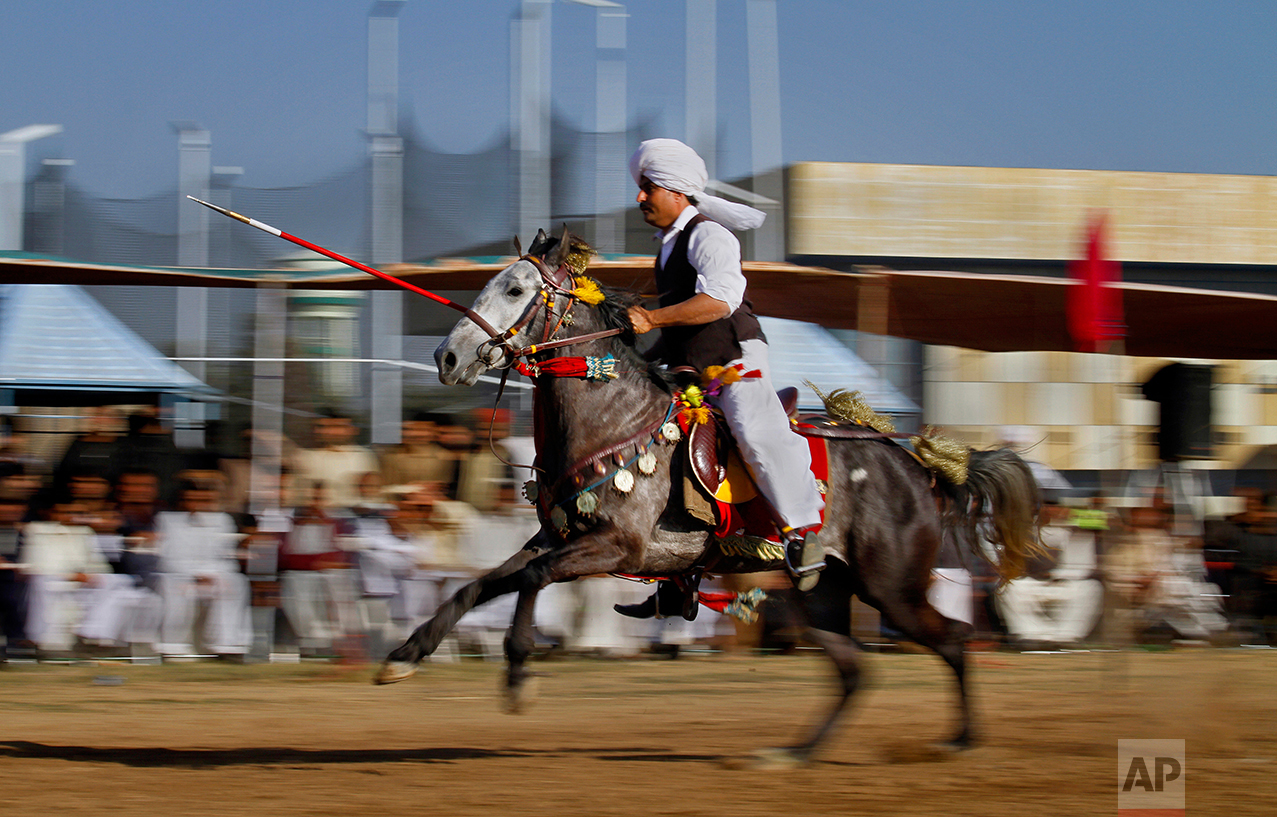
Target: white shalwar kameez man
{"points": [[62, 560], [707, 320], [198, 563]]}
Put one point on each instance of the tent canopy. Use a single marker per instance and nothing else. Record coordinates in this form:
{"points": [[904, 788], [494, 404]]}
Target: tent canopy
{"points": [[57, 337]]}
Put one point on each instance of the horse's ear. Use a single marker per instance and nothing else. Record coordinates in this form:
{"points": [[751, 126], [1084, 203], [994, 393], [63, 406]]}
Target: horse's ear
{"points": [[518, 248], [538, 245], [561, 250]]}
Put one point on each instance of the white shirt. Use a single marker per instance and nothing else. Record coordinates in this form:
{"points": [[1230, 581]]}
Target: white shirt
{"points": [[713, 252], [53, 549], [196, 544]]}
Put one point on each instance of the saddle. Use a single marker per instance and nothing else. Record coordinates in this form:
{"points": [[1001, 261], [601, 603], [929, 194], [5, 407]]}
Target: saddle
{"points": [[715, 461], [718, 487]]}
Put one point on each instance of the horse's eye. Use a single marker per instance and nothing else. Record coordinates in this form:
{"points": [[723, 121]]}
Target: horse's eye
{"points": [[516, 292]]}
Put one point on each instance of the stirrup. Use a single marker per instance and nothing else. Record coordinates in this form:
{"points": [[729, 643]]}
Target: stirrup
{"points": [[811, 554], [692, 595]]}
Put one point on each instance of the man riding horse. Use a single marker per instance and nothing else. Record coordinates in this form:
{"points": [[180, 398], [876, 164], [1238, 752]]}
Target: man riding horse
{"points": [[888, 510], [706, 320]]}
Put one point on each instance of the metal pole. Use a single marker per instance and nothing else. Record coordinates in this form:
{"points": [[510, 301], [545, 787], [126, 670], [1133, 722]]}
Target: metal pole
{"points": [[265, 487], [701, 121], [764, 117], [268, 398], [385, 309], [530, 117], [194, 178], [611, 177]]}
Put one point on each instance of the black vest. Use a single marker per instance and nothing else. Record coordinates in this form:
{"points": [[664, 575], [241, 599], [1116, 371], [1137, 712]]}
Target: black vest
{"points": [[709, 344]]}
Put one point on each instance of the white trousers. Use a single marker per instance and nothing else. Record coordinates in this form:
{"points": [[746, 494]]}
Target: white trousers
{"points": [[227, 627], [116, 610], [1190, 606], [320, 604], [54, 608], [779, 459]]}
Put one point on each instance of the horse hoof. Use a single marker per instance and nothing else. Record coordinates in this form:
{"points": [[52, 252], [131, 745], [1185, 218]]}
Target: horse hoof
{"points": [[516, 700], [393, 672], [768, 759], [954, 746]]}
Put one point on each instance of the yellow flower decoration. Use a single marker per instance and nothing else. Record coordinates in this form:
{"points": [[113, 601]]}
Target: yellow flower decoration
{"points": [[587, 291], [725, 375], [697, 416]]}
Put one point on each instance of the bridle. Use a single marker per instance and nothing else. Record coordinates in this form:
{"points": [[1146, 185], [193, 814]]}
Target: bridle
{"points": [[497, 352]]}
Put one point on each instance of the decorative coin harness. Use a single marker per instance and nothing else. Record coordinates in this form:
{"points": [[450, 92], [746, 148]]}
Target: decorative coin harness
{"points": [[612, 465]]}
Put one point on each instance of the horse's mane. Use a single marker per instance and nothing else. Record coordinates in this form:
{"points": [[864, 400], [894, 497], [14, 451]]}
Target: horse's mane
{"points": [[612, 312]]}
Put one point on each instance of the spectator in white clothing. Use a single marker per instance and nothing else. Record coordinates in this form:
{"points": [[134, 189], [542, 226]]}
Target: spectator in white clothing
{"points": [[61, 559], [199, 563], [1060, 602], [316, 581], [123, 608]]}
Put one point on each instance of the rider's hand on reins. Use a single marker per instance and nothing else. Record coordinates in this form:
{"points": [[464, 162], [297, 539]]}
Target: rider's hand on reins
{"points": [[640, 319]]}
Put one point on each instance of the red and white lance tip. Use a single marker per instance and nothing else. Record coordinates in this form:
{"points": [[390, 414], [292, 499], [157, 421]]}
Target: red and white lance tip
{"points": [[252, 222]]}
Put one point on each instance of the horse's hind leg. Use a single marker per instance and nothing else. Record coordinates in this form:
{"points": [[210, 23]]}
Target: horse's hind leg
{"points": [[827, 610], [924, 624], [845, 653]]}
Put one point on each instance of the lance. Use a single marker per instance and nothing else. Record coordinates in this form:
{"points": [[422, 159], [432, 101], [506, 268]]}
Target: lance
{"points": [[301, 242]]}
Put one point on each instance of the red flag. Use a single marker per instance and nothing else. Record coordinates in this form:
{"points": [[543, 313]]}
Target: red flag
{"points": [[1095, 301]]}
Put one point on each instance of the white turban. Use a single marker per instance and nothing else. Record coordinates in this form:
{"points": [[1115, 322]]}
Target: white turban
{"points": [[673, 165]]}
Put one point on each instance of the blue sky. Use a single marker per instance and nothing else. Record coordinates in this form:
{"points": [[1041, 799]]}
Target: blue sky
{"points": [[1161, 85]]}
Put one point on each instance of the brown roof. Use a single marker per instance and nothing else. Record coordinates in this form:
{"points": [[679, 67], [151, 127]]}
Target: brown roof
{"points": [[975, 311]]}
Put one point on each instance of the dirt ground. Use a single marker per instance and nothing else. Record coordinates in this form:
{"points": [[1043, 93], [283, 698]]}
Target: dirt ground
{"points": [[639, 737]]}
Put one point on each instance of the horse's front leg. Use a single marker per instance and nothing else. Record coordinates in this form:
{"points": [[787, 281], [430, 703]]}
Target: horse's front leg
{"points": [[402, 662], [518, 646], [597, 552]]}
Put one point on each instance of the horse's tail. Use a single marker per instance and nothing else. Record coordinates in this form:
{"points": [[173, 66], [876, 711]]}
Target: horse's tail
{"points": [[998, 505]]}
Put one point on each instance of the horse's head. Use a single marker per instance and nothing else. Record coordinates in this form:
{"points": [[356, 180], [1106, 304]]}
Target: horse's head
{"points": [[513, 302]]}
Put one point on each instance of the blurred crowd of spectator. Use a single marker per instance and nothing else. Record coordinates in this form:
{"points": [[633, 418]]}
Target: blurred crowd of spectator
{"points": [[1139, 573], [129, 545]]}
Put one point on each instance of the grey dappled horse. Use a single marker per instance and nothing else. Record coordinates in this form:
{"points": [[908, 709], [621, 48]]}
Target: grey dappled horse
{"points": [[883, 521]]}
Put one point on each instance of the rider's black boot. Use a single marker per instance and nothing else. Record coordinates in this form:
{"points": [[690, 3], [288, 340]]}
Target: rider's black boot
{"points": [[667, 602]]}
